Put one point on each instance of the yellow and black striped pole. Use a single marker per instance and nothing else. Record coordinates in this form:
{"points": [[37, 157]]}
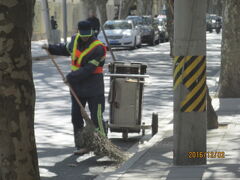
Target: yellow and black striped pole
{"points": [[189, 81], [190, 71]]}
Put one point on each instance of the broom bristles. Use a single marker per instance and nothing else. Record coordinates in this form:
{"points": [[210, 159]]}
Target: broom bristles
{"points": [[100, 145]]}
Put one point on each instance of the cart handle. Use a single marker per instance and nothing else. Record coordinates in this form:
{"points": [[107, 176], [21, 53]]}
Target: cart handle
{"points": [[127, 75]]}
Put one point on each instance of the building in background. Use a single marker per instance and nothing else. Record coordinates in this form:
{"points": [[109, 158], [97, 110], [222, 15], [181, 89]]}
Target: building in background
{"points": [[157, 7], [76, 11]]}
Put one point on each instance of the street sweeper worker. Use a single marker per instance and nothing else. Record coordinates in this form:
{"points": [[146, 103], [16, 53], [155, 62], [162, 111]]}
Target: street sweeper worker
{"points": [[86, 77]]}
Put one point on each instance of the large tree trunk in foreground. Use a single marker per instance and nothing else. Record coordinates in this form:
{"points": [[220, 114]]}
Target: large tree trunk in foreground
{"points": [[230, 67], [18, 156]]}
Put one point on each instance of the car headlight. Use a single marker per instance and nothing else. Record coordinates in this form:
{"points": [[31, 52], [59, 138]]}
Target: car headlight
{"points": [[127, 35], [160, 28]]}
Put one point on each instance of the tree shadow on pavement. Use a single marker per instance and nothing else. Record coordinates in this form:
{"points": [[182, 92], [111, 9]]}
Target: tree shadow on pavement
{"points": [[157, 163], [64, 165]]}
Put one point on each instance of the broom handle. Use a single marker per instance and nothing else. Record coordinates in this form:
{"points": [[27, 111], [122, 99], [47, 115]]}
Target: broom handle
{"points": [[82, 109], [108, 44], [106, 38]]}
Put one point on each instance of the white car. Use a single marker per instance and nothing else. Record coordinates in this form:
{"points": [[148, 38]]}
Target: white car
{"points": [[121, 33]]}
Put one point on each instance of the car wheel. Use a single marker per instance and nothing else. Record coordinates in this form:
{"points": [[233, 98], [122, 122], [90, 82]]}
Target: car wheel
{"points": [[134, 44], [140, 44], [218, 30], [158, 40], [163, 38], [152, 41]]}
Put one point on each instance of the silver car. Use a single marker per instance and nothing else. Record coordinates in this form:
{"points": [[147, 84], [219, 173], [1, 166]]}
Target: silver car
{"points": [[121, 33]]}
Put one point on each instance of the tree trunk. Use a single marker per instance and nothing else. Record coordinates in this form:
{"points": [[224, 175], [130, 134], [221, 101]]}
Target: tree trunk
{"points": [[230, 66], [170, 20], [144, 7], [148, 7], [46, 18], [125, 8], [212, 118], [65, 27], [93, 5], [155, 7], [90, 5], [215, 7], [210, 6], [218, 7], [140, 8], [18, 160], [101, 4]]}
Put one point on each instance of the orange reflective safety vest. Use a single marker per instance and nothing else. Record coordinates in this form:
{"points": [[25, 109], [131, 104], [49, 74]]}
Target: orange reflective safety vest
{"points": [[77, 56]]}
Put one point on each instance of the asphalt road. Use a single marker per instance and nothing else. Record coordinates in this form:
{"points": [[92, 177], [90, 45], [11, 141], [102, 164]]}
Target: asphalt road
{"points": [[52, 116]]}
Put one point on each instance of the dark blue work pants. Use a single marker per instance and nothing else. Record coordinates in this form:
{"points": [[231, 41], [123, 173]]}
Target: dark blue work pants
{"points": [[96, 105]]}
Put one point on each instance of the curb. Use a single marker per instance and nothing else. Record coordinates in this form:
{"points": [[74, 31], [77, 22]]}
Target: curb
{"points": [[137, 151], [39, 58]]}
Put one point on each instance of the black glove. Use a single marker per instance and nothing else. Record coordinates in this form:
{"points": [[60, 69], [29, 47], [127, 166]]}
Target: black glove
{"points": [[65, 80], [69, 78]]}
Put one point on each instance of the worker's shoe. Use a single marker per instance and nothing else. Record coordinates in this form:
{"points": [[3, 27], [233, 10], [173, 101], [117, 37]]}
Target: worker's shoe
{"points": [[81, 151]]}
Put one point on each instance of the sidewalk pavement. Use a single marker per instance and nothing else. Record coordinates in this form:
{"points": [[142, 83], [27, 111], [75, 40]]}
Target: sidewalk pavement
{"points": [[155, 161], [37, 52]]}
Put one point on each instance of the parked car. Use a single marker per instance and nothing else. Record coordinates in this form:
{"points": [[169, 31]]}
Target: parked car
{"points": [[148, 28], [162, 22], [209, 27], [138, 22], [150, 31], [213, 22], [121, 33]]}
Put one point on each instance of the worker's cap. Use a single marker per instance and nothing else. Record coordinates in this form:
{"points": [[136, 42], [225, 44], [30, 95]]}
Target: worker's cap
{"points": [[85, 29]]}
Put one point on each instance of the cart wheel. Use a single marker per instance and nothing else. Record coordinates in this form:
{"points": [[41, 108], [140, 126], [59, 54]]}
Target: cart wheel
{"points": [[125, 135], [154, 123], [105, 127], [143, 129]]}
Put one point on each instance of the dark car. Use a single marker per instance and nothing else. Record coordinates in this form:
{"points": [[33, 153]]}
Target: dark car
{"points": [[151, 32], [209, 27], [213, 21], [137, 20], [163, 33], [138, 23], [148, 27]]}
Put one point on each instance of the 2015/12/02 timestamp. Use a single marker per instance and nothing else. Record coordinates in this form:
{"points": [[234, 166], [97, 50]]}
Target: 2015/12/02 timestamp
{"points": [[210, 154]]}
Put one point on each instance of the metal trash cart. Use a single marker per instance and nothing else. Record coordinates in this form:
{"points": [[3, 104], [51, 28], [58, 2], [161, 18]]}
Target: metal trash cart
{"points": [[125, 98]]}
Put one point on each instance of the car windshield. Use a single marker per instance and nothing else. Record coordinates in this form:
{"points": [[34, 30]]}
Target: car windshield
{"points": [[210, 17], [135, 19], [117, 25], [147, 20]]}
